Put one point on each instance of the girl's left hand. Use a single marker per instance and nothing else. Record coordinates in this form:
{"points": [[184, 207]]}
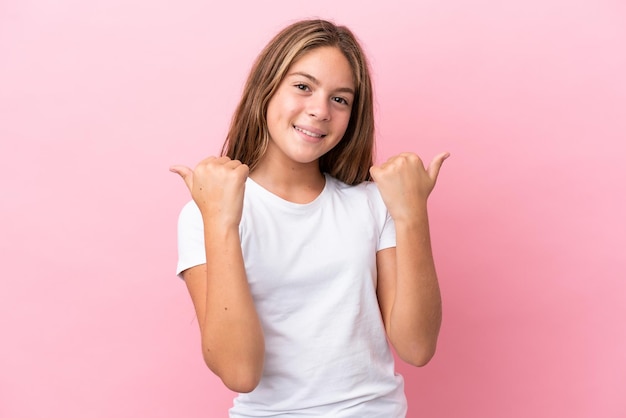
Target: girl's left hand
{"points": [[405, 184]]}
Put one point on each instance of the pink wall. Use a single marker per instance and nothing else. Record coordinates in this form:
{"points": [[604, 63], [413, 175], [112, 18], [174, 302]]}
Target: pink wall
{"points": [[98, 98]]}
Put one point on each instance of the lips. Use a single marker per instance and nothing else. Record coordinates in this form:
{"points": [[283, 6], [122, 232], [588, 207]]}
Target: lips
{"points": [[312, 132]]}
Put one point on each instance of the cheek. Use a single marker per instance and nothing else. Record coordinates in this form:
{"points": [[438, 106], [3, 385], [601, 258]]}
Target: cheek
{"points": [[344, 122], [280, 107], [273, 114]]}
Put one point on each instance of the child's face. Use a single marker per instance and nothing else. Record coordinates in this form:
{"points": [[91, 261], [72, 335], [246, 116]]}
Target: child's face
{"points": [[310, 111]]}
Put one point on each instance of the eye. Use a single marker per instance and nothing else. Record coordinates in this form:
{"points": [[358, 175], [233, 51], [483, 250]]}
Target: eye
{"points": [[340, 100], [302, 87]]}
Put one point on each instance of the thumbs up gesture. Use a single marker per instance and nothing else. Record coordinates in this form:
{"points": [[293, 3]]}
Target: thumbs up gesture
{"points": [[217, 186], [405, 184]]}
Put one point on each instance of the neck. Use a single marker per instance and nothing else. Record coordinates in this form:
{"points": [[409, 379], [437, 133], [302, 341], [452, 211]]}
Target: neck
{"points": [[297, 183]]}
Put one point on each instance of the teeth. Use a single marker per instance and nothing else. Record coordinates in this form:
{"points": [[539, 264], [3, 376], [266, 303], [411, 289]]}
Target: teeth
{"points": [[309, 133]]}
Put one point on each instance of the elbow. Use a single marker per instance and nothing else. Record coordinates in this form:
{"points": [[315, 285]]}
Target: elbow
{"points": [[238, 375], [240, 379], [419, 360], [241, 382], [418, 355]]}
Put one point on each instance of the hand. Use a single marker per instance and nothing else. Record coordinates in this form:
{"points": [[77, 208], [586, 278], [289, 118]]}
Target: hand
{"points": [[217, 186], [405, 184]]}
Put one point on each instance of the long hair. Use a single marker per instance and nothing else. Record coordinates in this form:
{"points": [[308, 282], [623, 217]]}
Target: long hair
{"points": [[248, 136]]}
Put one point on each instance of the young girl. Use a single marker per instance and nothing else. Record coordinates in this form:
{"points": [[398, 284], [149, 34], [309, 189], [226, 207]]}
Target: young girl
{"points": [[300, 267]]}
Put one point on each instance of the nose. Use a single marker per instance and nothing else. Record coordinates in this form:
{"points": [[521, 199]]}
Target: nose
{"points": [[319, 107]]}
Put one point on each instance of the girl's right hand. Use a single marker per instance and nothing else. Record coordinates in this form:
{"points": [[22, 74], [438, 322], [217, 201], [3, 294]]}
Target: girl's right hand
{"points": [[217, 186]]}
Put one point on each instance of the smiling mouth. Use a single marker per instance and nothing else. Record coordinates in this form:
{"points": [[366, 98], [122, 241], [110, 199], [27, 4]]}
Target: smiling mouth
{"points": [[309, 133]]}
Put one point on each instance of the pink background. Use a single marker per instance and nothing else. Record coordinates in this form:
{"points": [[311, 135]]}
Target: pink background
{"points": [[98, 98]]}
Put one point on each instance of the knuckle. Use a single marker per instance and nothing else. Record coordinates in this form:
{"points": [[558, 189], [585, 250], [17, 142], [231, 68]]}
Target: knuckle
{"points": [[414, 157]]}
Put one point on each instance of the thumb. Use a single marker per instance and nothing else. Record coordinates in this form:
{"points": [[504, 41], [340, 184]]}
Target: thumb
{"points": [[185, 173], [435, 165]]}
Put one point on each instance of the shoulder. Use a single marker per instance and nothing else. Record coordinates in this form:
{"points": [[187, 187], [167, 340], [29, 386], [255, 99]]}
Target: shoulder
{"points": [[367, 190], [366, 207], [190, 214], [190, 209], [355, 188]]}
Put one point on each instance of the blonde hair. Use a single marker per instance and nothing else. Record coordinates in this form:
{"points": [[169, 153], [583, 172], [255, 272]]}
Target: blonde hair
{"points": [[248, 136]]}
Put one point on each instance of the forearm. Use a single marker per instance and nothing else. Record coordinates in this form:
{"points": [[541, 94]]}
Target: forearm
{"points": [[415, 317], [232, 337]]}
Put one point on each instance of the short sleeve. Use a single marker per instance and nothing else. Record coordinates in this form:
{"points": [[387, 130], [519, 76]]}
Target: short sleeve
{"points": [[388, 234], [191, 251], [387, 228]]}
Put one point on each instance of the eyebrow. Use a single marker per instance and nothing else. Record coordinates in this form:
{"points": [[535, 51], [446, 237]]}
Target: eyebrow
{"points": [[317, 82]]}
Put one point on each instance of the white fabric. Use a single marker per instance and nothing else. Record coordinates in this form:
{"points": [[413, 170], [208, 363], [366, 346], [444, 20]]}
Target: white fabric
{"points": [[312, 273]]}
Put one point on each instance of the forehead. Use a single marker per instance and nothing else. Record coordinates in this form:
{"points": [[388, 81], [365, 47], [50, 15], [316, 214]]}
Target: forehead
{"points": [[326, 63]]}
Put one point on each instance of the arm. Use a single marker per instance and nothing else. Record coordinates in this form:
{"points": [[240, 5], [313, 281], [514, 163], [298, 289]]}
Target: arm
{"points": [[232, 337], [408, 289]]}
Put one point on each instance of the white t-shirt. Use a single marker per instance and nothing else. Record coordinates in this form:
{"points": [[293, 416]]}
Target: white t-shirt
{"points": [[312, 273]]}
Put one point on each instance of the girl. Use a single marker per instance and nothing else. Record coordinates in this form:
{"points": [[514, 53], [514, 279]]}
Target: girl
{"points": [[303, 259]]}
